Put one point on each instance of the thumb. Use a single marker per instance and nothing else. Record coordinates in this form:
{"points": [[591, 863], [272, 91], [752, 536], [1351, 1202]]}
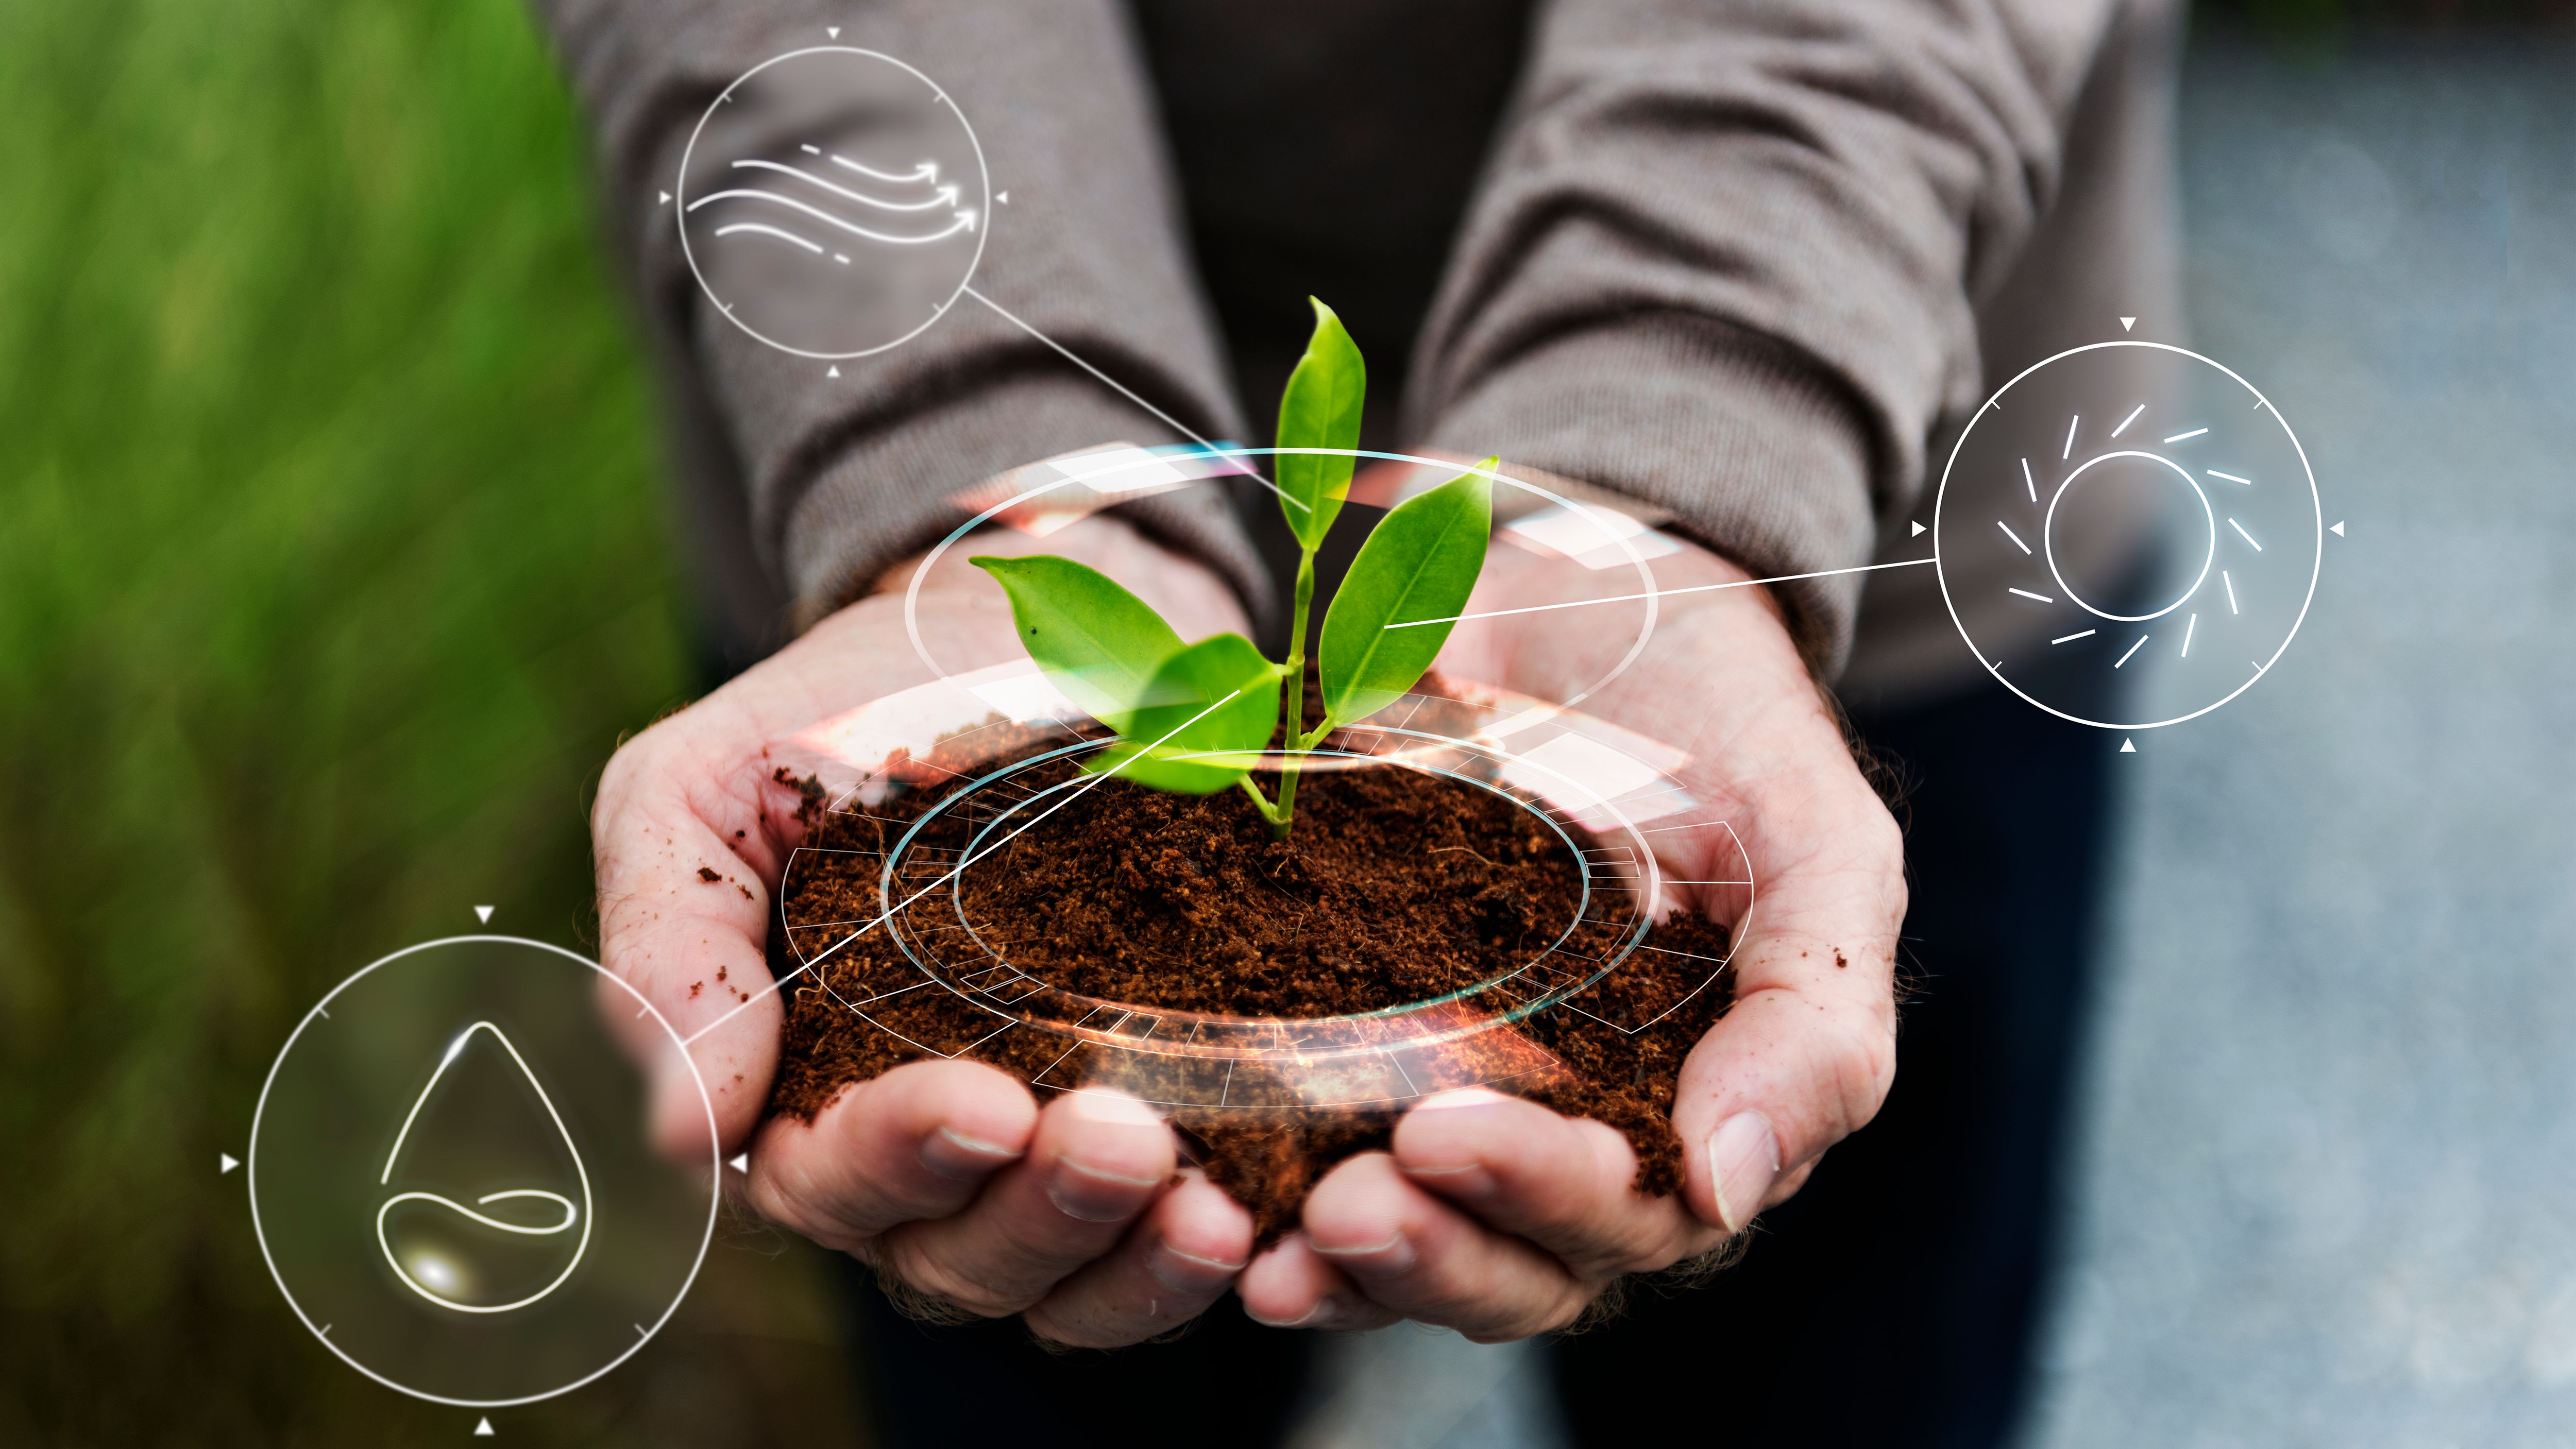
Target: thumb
{"points": [[682, 919]]}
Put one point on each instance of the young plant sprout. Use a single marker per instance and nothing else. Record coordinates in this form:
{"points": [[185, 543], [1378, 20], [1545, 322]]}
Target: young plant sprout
{"points": [[1196, 718]]}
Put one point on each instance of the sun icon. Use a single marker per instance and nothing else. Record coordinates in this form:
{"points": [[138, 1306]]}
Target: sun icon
{"points": [[2128, 506]]}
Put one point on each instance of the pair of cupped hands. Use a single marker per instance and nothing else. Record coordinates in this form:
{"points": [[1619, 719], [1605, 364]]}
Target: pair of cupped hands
{"points": [[1489, 1215]]}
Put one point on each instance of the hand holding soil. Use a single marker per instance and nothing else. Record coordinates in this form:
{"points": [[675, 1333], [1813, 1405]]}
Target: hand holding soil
{"points": [[945, 1175], [1501, 1219]]}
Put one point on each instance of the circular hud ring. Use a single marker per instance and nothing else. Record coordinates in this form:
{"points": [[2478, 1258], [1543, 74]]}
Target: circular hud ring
{"points": [[832, 202], [2128, 535], [448, 1179]]}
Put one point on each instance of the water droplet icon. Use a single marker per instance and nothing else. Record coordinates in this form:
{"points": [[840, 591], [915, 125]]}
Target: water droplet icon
{"points": [[444, 1242]]}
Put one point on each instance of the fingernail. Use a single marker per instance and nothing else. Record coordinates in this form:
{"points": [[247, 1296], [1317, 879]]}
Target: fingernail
{"points": [[960, 1158], [1118, 1107], [1187, 1272], [1327, 1314], [1461, 1097], [1094, 1194], [1372, 1260], [1743, 1162], [1307, 1321]]}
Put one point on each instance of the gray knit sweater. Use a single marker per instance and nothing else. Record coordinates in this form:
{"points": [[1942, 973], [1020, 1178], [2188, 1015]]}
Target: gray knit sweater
{"points": [[1749, 262]]}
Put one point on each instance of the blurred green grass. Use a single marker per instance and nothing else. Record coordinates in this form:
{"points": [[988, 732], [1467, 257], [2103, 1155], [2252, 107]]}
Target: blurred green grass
{"points": [[332, 566]]}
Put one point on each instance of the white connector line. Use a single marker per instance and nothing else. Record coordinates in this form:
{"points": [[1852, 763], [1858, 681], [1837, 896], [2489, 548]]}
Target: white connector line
{"points": [[2069, 450], [2027, 594], [2015, 537], [2071, 638], [2026, 480], [1902, 563], [1123, 391], [2134, 648], [2179, 437], [780, 983], [2188, 626], [2131, 418], [2231, 591], [2230, 477], [2241, 533]]}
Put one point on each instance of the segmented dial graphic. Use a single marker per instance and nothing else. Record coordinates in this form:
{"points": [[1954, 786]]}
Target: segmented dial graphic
{"points": [[2128, 506], [832, 202]]}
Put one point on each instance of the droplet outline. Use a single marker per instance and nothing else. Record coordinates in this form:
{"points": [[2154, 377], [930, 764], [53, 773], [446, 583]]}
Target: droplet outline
{"points": [[456, 1049]]}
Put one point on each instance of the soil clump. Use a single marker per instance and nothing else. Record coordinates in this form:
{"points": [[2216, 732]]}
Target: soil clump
{"points": [[1395, 887]]}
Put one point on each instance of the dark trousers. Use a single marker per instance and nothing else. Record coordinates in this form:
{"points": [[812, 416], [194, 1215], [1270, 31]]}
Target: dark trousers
{"points": [[1889, 1304]]}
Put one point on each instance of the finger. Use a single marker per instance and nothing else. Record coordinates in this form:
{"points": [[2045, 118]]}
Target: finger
{"points": [[1568, 1186], [1177, 1261], [1423, 1259], [1290, 1286], [1097, 1160], [682, 917], [1807, 1052], [916, 1143], [1790, 1070]]}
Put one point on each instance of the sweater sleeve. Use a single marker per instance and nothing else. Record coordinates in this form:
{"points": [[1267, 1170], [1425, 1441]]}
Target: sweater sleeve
{"points": [[844, 476], [1727, 259]]}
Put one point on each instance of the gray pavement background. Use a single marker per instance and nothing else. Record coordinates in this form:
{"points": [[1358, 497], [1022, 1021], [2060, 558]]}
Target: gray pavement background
{"points": [[2327, 1192]]}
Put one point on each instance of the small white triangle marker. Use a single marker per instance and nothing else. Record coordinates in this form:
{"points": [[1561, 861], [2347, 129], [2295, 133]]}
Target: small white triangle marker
{"points": [[1003, 197], [666, 198], [833, 371], [225, 1162], [833, 31], [483, 1429], [483, 914], [2128, 747], [740, 1162], [1917, 533], [2338, 528], [2128, 322]]}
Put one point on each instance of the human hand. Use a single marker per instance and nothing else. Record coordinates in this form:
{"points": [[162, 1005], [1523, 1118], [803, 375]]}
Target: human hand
{"points": [[944, 1175], [1501, 1219]]}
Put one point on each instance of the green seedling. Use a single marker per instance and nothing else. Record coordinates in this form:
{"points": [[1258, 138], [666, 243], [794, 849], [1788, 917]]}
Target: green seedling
{"points": [[1197, 718]]}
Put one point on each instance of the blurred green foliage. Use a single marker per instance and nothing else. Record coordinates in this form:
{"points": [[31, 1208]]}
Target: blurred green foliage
{"points": [[332, 566]]}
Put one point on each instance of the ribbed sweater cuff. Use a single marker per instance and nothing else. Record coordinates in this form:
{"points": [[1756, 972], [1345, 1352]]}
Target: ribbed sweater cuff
{"points": [[1754, 454]]}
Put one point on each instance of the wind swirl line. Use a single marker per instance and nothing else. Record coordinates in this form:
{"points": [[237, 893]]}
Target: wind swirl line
{"points": [[944, 196], [965, 219]]}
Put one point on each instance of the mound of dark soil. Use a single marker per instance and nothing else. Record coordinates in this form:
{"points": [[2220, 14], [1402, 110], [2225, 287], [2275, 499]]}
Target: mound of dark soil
{"points": [[1395, 887]]}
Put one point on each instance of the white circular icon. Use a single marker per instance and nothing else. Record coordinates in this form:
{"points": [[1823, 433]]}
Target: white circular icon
{"points": [[833, 202], [2128, 506], [450, 1177]]}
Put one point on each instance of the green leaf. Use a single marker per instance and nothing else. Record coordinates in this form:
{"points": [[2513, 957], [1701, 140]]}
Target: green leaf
{"points": [[1320, 409], [1420, 562], [1174, 719], [1097, 642]]}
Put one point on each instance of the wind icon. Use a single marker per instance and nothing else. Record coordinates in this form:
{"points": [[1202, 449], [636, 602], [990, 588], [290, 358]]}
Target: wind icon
{"points": [[885, 208], [459, 1256]]}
